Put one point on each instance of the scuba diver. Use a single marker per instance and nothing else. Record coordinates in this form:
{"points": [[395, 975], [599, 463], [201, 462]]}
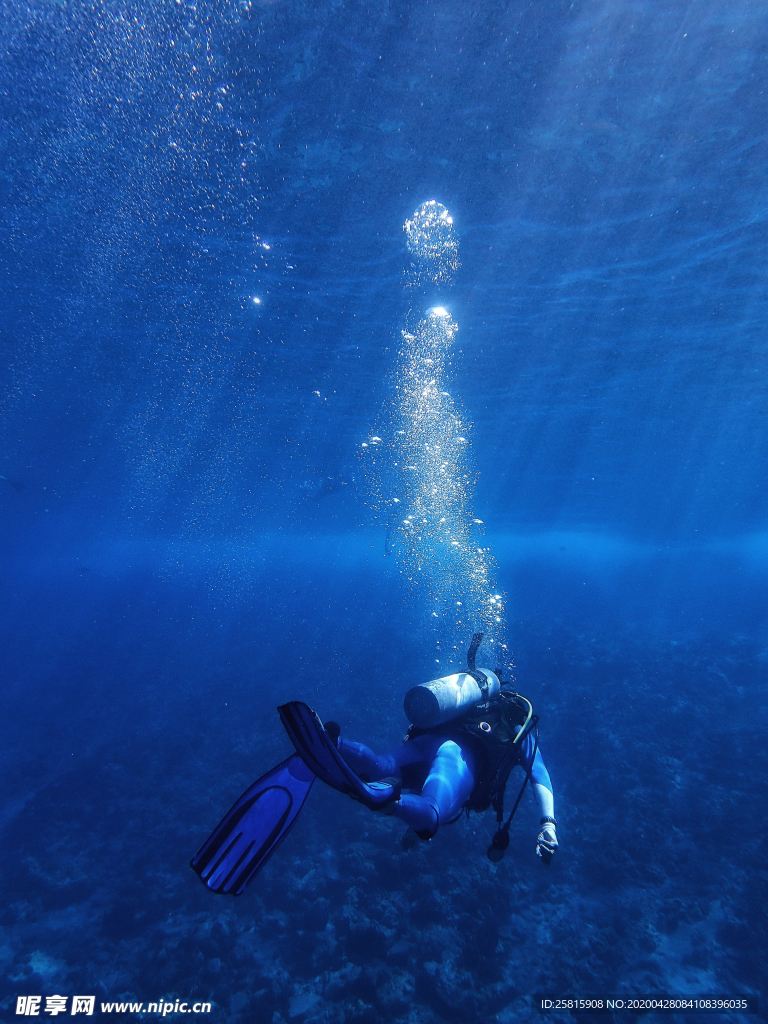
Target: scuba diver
{"points": [[469, 731]]}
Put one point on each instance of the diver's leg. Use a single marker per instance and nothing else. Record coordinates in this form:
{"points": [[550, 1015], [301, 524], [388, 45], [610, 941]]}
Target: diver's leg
{"points": [[361, 759], [447, 788], [370, 766]]}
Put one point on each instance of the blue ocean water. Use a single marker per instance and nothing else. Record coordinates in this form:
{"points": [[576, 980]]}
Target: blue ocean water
{"points": [[193, 532]]}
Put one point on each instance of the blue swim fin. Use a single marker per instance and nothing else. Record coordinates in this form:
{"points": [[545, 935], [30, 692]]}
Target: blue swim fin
{"points": [[249, 834], [318, 752]]}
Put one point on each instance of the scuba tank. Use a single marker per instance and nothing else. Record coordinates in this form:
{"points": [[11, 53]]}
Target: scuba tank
{"points": [[440, 700]]}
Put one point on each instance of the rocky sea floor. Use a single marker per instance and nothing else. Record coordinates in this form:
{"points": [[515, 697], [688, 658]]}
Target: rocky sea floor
{"points": [[659, 885]]}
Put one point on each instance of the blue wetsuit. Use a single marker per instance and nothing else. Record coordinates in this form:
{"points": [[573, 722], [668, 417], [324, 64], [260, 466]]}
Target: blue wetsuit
{"points": [[445, 772]]}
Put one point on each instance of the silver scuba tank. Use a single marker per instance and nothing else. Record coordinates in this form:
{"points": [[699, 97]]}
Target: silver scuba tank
{"points": [[442, 699]]}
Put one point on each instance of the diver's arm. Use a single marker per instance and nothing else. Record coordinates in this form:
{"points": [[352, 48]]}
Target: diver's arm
{"points": [[546, 842], [542, 787]]}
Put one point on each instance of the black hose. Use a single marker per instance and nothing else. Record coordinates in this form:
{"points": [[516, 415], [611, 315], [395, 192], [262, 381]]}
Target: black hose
{"points": [[477, 639], [500, 841]]}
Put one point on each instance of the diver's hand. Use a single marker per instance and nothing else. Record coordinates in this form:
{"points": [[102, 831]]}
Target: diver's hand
{"points": [[546, 844]]}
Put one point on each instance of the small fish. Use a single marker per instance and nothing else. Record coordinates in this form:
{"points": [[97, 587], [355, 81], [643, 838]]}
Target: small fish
{"points": [[15, 484]]}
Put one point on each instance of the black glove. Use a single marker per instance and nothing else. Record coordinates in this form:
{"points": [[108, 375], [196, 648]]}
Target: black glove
{"points": [[546, 844]]}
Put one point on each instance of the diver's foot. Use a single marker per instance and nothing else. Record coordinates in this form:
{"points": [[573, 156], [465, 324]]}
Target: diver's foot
{"points": [[321, 755], [391, 805], [334, 731]]}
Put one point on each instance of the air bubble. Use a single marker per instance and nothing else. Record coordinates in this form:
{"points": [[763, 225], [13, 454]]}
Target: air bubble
{"points": [[431, 239], [431, 467]]}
